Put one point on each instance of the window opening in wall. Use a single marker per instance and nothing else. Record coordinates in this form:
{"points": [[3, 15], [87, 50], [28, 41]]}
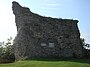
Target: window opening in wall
{"points": [[51, 44], [43, 44]]}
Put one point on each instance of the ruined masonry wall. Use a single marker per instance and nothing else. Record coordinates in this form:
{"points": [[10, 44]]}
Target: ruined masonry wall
{"points": [[39, 36]]}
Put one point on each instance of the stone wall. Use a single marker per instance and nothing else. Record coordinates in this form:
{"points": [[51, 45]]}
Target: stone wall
{"points": [[39, 36]]}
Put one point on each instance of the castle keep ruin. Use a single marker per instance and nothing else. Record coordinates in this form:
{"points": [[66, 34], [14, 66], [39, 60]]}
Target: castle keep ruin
{"points": [[39, 36]]}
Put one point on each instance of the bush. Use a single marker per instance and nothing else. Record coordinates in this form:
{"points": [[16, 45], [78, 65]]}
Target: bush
{"points": [[6, 52]]}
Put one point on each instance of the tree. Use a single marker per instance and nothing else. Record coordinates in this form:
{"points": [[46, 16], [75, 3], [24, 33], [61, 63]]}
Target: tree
{"points": [[88, 45], [83, 41], [85, 45], [6, 52]]}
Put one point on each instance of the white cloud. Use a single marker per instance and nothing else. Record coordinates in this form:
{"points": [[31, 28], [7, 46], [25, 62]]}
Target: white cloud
{"points": [[51, 4]]}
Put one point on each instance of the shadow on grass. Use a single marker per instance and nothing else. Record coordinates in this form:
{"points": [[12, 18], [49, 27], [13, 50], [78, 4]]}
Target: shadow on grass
{"points": [[63, 59]]}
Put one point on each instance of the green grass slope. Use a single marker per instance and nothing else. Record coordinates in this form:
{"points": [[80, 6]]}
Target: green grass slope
{"points": [[50, 63]]}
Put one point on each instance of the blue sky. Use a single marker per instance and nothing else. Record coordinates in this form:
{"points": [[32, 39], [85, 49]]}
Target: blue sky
{"points": [[70, 9]]}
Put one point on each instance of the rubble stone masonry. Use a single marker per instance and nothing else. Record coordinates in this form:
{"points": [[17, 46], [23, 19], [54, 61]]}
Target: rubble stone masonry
{"points": [[39, 36]]}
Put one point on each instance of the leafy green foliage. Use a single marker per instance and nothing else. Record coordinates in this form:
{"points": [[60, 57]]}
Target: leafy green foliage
{"points": [[84, 44], [6, 52]]}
